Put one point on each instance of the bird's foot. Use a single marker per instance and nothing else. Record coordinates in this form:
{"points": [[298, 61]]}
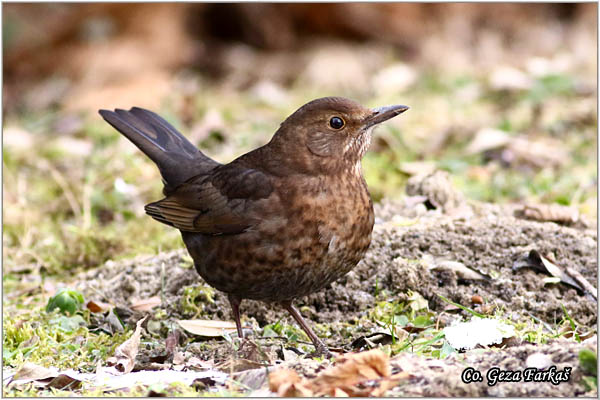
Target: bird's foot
{"points": [[321, 350]]}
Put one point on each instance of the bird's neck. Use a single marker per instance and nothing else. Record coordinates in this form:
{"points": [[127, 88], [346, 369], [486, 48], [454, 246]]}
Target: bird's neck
{"points": [[281, 162]]}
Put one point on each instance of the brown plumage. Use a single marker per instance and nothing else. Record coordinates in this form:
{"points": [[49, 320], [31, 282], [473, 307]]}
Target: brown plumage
{"points": [[279, 222]]}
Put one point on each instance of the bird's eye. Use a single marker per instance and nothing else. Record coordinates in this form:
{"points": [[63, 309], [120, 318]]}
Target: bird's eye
{"points": [[336, 123]]}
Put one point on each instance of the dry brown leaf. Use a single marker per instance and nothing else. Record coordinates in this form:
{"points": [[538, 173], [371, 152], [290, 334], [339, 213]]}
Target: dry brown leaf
{"points": [[576, 275], [146, 304], [460, 269], [45, 377], [287, 383], [207, 328], [98, 306], [33, 372], [125, 354], [64, 381], [351, 369], [341, 380], [549, 212]]}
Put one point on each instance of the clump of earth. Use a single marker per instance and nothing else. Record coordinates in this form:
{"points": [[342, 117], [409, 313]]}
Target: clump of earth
{"points": [[417, 244]]}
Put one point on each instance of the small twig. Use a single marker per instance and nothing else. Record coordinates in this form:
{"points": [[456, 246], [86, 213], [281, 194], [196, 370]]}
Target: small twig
{"points": [[583, 282]]}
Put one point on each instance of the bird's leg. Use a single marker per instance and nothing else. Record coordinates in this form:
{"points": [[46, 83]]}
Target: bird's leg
{"points": [[319, 345], [235, 301]]}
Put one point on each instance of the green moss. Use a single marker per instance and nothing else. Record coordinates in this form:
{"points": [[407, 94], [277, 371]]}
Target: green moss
{"points": [[52, 339], [195, 298], [293, 333]]}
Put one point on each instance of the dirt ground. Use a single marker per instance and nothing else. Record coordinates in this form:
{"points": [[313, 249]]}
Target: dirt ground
{"points": [[415, 241]]}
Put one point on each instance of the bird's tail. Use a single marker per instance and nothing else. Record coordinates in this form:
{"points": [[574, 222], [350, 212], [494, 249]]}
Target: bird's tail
{"points": [[176, 158]]}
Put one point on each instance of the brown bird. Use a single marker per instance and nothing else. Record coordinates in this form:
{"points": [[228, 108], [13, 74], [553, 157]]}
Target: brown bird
{"points": [[279, 222]]}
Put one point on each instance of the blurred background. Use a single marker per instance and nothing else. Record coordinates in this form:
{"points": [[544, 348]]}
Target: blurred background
{"points": [[503, 96]]}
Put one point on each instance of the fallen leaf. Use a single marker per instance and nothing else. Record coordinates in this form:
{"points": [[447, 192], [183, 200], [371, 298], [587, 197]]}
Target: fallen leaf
{"points": [[207, 328], [70, 379], [97, 306], [478, 331], [351, 369], [146, 304], [535, 260], [64, 381], [33, 372], [520, 149], [287, 383], [342, 379], [45, 377], [590, 289], [549, 212], [460, 269], [125, 354]]}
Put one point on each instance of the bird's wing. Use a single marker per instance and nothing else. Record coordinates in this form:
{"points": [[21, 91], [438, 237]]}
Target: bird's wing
{"points": [[215, 203]]}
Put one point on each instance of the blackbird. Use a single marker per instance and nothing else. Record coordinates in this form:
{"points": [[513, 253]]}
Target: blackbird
{"points": [[279, 222]]}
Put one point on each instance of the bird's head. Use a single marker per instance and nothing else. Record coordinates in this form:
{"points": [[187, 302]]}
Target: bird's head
{"points": [[330, 134]]}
